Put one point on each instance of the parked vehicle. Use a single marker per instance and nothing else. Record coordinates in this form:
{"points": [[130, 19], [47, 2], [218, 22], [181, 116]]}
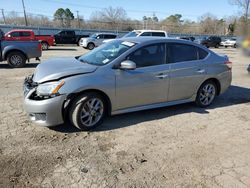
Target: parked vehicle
{"points": [[96, 40], [143, 33], [122, 76], [68, 37], [188, 38], [246, 46], [29, 35], [229, 43], [18, 52], [211, 41]]}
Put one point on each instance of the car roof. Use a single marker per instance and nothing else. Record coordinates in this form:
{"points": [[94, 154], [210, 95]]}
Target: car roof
{"points": [[145, 30], [105, 33], [20, 30], [155, 39]]}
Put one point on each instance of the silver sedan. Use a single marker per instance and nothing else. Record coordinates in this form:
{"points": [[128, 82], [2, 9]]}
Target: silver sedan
{"points": [[124, 75]]}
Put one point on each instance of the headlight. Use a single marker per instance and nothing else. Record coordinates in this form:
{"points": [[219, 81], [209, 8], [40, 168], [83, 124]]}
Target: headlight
{"points": [[51, 88]]}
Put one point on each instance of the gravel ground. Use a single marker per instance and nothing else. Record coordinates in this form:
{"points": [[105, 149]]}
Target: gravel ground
{"points": [[180, 146]]}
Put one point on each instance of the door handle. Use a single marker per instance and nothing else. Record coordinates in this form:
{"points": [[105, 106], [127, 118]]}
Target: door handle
{"points": [[201, 71], [161, 76]]}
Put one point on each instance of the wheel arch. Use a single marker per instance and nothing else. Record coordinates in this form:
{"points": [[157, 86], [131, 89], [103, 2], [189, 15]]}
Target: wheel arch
{"points": [[71, 97], [217, 83], [14, 50]]}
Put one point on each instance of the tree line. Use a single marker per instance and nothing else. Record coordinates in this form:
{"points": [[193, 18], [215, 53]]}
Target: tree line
{"points": [[117, 19]]}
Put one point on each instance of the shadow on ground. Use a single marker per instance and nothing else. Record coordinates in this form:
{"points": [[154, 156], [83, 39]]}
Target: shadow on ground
{"points": [[234, 96], [28, 65]]}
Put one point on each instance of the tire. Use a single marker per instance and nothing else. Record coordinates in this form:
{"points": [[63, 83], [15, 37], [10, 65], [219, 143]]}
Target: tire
{"points": [[16, 59], [81, 114], [91, 46], [206, 94], [217, 46], [45, 45], [235, 45], [225, 46]]}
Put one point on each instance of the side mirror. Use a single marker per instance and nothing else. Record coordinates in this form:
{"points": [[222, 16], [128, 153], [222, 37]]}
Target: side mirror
{"points": [[127, 65]]}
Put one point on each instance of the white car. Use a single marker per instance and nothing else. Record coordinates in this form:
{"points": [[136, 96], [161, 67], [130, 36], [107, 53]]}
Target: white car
{"points": [[143, 33], [229, 43]]}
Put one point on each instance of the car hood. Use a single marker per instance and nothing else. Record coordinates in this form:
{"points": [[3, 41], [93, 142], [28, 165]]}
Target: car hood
{"points": [[55, 69]]}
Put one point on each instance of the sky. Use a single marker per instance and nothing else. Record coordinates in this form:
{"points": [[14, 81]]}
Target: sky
{"points": [[136, 9]]}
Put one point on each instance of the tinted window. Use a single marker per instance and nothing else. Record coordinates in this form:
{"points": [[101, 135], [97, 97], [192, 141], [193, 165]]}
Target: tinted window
{"points": [[25, 34], [71, 33], [15, 34], [158, 34], [182, 52], [109, 36], [202, 53], [149, 55], [146, 34]]}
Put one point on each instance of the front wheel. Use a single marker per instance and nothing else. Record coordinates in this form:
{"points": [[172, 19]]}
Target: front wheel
{"points": [[16, 59], [206, 94], [87, 111], [91, 46]]}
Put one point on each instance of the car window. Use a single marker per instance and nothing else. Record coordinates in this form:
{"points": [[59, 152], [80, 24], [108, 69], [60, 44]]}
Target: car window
{"points": [[109, 36], [146, 34], [100, 36], [149, 56], [70, 33], [15, 34], [182, 52], [158, 34], [25, 34], [202, 53]]}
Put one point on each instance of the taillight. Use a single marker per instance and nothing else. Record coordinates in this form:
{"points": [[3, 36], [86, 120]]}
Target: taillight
{"points": [[229, 64]]}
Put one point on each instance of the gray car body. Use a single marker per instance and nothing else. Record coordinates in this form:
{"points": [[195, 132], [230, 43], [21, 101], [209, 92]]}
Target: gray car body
{"points": [[127, 90], [84, 42], [29, 49]]}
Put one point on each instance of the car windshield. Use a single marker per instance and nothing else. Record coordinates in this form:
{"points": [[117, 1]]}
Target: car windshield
{"points": [[131, 34], [106, 52]]}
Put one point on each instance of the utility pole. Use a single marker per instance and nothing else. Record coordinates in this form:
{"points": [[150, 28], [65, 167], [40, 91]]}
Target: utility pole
{"points": [[3, 16], [78, 20], [25, 17]]}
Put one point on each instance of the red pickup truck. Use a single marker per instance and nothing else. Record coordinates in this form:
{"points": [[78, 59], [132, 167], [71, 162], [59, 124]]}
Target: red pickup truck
{"points": [[28, 35]]}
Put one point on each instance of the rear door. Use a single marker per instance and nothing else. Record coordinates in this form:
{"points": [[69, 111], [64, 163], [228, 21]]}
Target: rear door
{"points": [[187, 70]]}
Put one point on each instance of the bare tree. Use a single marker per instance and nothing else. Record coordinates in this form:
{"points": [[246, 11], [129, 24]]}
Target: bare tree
{"points": [[244, 5], [112, 17]]}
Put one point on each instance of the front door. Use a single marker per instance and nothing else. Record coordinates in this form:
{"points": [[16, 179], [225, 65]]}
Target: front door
{"points": [[148, 83]]}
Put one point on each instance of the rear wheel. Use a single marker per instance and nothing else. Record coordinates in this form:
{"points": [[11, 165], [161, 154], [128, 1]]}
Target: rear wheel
{"points": [[91, 46], [206, 94], [87, 111], [235, 45], [217, 46], [16, 59], [45, 46]]}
